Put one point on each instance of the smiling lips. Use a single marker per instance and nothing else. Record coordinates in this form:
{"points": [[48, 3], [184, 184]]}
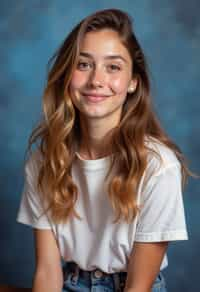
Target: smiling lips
{"points": [[93, 97]]}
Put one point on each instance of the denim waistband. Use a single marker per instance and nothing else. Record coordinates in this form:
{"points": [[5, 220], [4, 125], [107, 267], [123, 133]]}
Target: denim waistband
{"points": [[96, 275], [72, 273]]}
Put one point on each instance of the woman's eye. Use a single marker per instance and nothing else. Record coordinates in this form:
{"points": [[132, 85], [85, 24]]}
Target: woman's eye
{"points": [[83, 65], [114, 67]]}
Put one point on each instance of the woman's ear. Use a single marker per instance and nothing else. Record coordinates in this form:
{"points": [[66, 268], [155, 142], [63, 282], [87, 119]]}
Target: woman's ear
{"points": [[132, 85]]}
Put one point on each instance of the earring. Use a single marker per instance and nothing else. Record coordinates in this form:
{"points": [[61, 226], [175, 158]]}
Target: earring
{"points": [[131, 90]]}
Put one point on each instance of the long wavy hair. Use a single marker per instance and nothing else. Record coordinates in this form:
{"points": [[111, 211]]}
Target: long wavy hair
{"points": [[59, 128]]}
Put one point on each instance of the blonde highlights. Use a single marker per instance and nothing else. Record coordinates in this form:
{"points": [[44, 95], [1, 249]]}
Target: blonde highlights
{"points": [[59, 130]]}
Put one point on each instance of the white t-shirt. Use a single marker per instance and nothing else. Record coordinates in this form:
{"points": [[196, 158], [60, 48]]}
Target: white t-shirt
{"points": [[95, 242]]}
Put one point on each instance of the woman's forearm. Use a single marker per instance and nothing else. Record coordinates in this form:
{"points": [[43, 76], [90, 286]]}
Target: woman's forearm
{"points": [[47, 282], [142, 272]]}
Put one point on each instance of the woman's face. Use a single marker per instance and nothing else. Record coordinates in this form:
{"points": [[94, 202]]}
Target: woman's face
{"points": [[102, 77]]}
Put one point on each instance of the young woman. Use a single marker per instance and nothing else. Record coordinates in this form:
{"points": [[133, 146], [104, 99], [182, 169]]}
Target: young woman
{"points": [[103, 189]]}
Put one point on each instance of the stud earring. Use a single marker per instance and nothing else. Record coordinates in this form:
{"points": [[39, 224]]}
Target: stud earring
{"points": [[131, 90]]}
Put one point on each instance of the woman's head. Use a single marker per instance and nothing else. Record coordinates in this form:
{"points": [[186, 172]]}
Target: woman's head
{"points": [[85, 68], [107, 32]]}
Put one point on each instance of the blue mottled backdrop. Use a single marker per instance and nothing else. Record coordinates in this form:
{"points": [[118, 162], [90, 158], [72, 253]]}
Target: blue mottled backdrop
{"points": [[169, 31]]}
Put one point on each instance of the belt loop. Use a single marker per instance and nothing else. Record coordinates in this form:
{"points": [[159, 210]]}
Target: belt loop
{"points": [[75, 275], [116, 282]]}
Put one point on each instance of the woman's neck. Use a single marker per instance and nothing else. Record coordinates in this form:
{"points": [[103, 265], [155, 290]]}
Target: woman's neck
{"points": [[96, 139]]}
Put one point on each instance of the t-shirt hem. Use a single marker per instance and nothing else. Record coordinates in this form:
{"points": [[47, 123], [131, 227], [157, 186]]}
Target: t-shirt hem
{"points": [[161, 236], [32, 224]]}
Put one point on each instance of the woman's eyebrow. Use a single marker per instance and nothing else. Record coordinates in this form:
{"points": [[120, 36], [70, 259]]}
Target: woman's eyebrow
{"points": [[116, 57], [84, 54]]}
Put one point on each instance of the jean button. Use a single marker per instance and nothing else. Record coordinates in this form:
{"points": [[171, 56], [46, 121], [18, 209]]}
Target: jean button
{"points": [[98, 273]]}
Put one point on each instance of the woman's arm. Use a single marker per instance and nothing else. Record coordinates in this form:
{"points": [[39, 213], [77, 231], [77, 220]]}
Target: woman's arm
{"points": [[144, 265], [48, 275]]}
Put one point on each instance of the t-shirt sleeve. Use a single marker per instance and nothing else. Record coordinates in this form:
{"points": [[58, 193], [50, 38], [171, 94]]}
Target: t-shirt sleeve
{"points": [[30, 210], [162, 216]]}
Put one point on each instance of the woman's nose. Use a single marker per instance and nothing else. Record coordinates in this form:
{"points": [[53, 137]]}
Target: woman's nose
{"points": [[97, 78]]}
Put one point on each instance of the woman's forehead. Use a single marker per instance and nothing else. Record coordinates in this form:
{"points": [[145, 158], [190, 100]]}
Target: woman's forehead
{"points": [[105, 43]]}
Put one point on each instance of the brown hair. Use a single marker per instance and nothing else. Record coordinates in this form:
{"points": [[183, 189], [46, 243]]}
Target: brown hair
{"points": [[59, 129]]}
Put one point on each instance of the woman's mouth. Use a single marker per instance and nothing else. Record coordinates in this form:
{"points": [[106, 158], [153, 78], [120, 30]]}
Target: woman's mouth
{"points": [[95, 97]]}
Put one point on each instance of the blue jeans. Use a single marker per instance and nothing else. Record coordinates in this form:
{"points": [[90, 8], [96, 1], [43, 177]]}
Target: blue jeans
{"points": [[76, 279]]}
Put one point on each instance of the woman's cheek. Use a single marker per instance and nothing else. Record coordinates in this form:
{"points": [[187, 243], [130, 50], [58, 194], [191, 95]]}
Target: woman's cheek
{"points": [[119, 85], [78, 80]]}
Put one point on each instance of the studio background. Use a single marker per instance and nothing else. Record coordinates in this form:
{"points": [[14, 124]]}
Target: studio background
{"points": [[30, 32]]}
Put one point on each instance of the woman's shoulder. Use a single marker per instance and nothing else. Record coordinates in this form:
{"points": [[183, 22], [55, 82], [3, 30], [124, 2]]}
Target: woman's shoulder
{"points": [[160, 157]]}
